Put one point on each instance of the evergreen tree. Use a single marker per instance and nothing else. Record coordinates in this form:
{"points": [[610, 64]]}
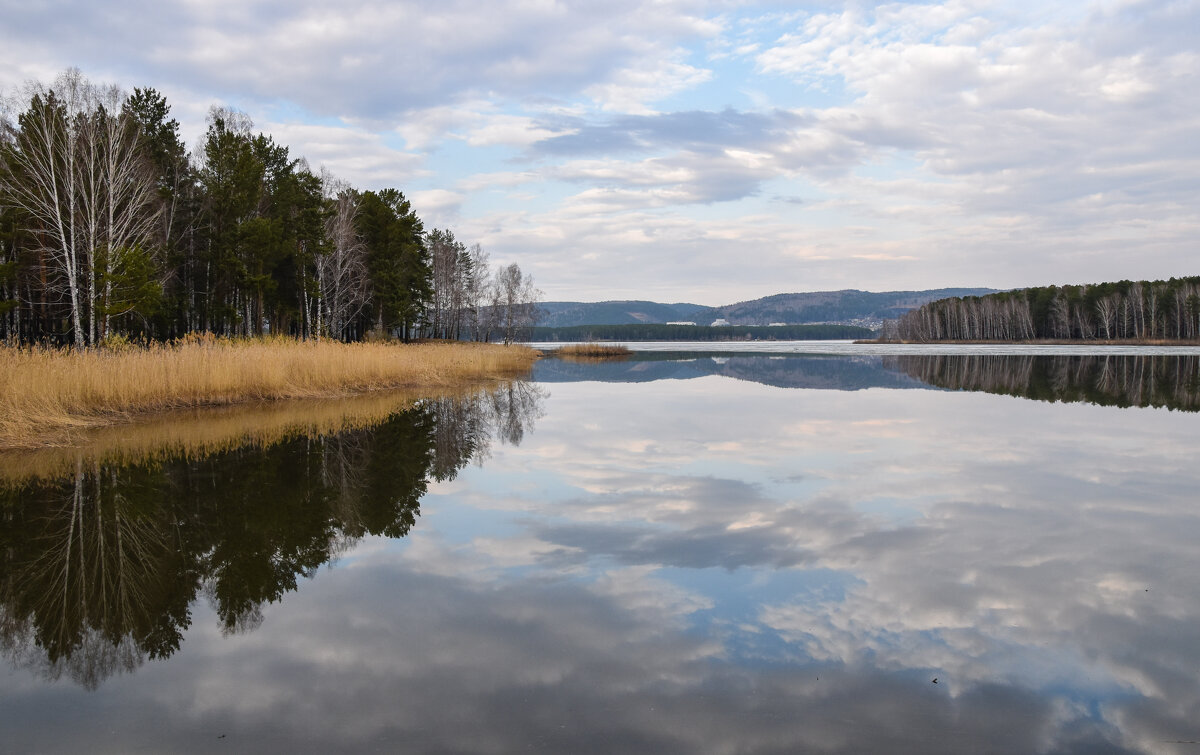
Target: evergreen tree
{"points": [[397, 260]]}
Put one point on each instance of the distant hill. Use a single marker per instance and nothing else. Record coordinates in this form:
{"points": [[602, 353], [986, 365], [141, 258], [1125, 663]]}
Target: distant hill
{"points": [[660, 332], [846, 307], [560, 314]]}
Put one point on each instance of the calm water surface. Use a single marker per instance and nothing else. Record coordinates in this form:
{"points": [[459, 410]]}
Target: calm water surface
{"points": [[704, 552]]}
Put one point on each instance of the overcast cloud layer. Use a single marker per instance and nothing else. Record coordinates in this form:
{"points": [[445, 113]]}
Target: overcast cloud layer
{"points": [[709, 152]]}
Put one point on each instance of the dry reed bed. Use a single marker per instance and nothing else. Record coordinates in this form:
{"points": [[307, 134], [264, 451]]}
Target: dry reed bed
{"points": [[47, 393], [593, 351]]}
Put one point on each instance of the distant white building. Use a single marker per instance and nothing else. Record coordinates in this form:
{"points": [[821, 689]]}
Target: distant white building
{"points": [[776, 324], [719, 322], [681, 323]]}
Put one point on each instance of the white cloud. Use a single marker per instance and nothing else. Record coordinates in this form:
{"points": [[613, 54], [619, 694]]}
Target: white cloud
{"points": [[633, 90], [511, 131], [437, 206], [502, 179], [426, 128], [366, 59], [353, 154]]}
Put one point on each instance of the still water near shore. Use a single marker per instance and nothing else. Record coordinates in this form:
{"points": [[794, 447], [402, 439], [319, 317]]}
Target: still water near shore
{"points": [[678, 552]]}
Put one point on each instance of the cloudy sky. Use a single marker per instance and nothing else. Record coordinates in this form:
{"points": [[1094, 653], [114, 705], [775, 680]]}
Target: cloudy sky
{"points": [[711, 152]]}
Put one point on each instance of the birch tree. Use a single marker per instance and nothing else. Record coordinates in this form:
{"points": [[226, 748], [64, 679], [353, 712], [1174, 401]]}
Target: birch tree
{"points": [[124, 265], [342, 277], [516, 300], [1106, 313], [477, 284], [43, 154], [77, 172]]}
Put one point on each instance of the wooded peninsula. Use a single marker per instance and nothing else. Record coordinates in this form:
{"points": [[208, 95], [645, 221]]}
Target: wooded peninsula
{"points": [[236, 270], [111, 227], [1132, 311]]}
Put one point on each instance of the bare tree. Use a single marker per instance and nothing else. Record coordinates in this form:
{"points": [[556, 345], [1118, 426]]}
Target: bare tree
{"points": [[516, 299], [129, 199], [477, 282], [1106, 311], [1137, 307], [342, 277], [44, 155], [1060, 316]]}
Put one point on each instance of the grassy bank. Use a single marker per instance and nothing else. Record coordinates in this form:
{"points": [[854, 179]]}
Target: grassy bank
{"points": [[45, 394]]}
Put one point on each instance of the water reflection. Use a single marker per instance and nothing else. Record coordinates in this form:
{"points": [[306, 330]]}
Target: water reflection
{"points": [[784, 371], [100, 567], [766, 570], [700, 565], [1107, 380]]}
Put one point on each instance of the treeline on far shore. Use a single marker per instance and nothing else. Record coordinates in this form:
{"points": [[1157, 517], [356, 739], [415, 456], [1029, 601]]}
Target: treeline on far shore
{"points": [[664, 332], [1125, 310]]}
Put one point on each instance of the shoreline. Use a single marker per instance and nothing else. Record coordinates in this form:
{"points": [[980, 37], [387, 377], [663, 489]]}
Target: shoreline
{"points": [[50, 397], [1042, 342]]}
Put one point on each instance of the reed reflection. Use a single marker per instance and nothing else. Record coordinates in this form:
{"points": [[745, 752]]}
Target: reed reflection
{"points": [[1107, 380], [99, 568]]}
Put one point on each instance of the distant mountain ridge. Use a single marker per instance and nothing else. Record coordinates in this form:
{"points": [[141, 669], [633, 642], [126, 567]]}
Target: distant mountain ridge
{"points": [[566, 313], [849, 306]]}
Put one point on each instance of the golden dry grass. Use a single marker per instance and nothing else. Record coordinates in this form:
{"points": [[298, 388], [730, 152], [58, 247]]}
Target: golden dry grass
{"points": [[590, 351], [48, 395]]}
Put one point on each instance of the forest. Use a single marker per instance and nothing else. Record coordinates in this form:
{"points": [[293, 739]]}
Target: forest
{"points": [[1122, 311], [110, 227]]}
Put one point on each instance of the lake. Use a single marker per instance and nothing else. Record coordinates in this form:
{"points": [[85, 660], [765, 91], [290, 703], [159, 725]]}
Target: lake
{"points": [[737, 550]]}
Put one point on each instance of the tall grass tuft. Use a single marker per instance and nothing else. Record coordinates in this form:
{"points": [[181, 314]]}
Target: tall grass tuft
{"points": [[589, 351], [46, 393]]}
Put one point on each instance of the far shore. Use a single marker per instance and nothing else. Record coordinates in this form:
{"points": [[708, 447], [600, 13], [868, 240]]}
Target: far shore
{"points": [[1043, 342], [48, 397]]}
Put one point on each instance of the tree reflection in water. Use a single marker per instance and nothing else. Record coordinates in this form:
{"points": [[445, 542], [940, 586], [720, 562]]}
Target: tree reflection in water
{"points": [[100, 568], [1108, 380]]}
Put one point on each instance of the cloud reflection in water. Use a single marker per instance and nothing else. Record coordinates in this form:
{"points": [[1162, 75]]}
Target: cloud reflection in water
{"points": [[670, 566]]}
